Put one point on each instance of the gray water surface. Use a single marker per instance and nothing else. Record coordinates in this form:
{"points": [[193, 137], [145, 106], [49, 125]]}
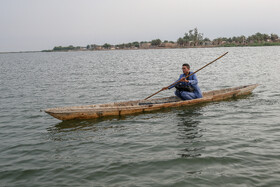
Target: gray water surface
{"points": [[229, 143]]}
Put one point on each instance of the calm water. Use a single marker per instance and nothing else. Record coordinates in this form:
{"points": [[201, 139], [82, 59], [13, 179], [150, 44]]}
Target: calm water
{"points": [[229, 143]]}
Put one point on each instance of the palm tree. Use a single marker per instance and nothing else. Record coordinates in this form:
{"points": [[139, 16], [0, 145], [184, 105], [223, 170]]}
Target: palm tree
{"points": [[180, 41]]}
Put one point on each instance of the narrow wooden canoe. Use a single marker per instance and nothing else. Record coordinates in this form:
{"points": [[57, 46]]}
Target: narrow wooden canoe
{"points": [[138, 106]]}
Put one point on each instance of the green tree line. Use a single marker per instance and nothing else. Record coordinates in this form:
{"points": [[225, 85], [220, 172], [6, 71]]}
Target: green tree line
{"points": [[192, 38], [68, 48]]}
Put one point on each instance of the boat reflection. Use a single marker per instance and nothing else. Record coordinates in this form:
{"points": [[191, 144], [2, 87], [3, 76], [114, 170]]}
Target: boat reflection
{"points": [[73, 129], [90, 124]]}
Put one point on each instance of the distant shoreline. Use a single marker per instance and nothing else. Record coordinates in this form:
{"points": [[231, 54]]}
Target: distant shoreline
{"points": [[21, 52], [174, 47], [185, 47], [192, 39]]}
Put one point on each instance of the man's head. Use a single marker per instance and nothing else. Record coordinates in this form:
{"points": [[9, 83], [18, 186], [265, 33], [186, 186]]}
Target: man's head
{"points": [[186, 68]]}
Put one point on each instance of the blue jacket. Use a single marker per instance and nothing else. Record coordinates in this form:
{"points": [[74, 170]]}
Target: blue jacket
{"points": [[193, 82]]}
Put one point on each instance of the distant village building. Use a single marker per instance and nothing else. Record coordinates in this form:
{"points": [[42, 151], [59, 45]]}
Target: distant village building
{"points": [[219, 42], [98, 48], [145, 45], [168, 45]]}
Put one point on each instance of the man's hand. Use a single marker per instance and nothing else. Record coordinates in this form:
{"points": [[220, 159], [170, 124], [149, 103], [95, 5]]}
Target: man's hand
{"points": [[183, 79]]}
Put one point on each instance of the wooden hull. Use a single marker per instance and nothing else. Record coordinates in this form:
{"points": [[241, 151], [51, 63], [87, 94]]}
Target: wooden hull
{"points": [[139, 106]]}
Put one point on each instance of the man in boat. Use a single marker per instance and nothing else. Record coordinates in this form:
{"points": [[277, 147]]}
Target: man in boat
{"points": [[186, 88]]}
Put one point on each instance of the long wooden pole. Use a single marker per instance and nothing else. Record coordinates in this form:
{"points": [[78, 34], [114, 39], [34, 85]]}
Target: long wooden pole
{"points": [[188, 75]]}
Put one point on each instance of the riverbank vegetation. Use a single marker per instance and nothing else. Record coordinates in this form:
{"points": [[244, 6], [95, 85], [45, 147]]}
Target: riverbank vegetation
{"points": [[190, 39]]}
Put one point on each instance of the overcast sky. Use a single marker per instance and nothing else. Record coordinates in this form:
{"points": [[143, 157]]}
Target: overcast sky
{"points": [[28, 25]]}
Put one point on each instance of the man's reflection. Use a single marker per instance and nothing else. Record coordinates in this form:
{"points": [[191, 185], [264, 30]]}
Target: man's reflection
{"points": [[190, 133]]}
